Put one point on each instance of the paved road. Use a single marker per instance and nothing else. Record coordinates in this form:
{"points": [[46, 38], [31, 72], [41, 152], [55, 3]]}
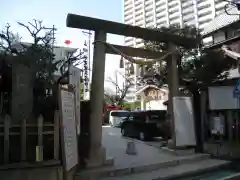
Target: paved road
{"points": [[110, 131], [116, 145]]}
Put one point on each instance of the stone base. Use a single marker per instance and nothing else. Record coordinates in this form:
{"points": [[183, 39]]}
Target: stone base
{"points": [[98, 158], [109, 161], [179, 151]]}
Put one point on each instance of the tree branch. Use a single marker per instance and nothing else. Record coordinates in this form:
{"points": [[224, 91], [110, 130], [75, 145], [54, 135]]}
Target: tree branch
{"points": [[122, 90]]}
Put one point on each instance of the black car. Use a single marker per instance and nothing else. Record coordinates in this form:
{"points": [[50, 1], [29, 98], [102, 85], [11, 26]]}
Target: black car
{"points": [[146, 125]]}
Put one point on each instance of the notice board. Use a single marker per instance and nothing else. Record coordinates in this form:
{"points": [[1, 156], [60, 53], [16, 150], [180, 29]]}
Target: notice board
{"points": [[68, 127]]}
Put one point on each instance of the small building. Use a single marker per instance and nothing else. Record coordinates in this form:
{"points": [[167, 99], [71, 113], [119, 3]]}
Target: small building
{"points": [[153, 97]]}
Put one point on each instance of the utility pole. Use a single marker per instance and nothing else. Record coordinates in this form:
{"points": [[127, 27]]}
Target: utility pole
{"points": [[51, 37]]}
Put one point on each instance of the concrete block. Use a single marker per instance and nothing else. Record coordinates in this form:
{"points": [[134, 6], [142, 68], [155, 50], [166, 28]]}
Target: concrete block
{"points": [[131, 148]]}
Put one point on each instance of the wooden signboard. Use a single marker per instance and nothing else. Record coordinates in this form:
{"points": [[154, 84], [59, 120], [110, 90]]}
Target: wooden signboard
{"points": [[68, 127]]}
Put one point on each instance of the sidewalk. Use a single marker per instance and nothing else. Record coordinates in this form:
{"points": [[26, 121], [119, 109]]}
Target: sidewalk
{"points": [[148, 160], [116, 147]]}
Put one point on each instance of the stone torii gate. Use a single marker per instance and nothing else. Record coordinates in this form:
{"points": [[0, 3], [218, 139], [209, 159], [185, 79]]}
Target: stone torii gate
{"points": [[101, 28]]}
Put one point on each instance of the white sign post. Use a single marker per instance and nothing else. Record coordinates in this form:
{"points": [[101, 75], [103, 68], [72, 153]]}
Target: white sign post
{"points": [[184, 121], [68, 128]]}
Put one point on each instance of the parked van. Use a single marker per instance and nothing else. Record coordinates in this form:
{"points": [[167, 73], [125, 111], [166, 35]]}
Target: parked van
{"points": [[146, 125]]}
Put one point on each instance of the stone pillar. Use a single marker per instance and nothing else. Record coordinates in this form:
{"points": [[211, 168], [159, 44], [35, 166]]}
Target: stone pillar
{"points": [[97, 153], [22, 91], [173, 85]]}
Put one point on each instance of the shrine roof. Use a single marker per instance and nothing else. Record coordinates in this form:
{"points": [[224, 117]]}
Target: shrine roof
{"points": [[149, 86]]}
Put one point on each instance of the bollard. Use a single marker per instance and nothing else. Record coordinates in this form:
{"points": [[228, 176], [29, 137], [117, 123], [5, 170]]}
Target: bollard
{"points": [[131, 148]]}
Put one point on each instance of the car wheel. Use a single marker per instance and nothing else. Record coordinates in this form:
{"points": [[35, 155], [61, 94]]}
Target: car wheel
{"points": [[123, 131], [142, 136], [111, 124]]}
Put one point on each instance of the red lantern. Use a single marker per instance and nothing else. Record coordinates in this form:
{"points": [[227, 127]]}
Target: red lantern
{"points": [[67, 42]]}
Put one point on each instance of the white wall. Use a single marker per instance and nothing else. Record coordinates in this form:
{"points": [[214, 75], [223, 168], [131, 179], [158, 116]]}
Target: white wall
{"points": [[61, 53]]}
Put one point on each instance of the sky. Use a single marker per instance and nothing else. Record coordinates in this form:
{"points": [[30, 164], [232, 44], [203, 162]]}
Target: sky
{"points": [[54, 12]]}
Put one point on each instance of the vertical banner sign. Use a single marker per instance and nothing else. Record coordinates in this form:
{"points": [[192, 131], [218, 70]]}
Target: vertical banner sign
{"points": [[86, 75], [75, 75]]}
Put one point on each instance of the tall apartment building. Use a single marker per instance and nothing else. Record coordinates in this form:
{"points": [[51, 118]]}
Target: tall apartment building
{"points": [[158, 13]]}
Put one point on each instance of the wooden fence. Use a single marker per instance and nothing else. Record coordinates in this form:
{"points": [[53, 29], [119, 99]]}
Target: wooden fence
{"points": [[36, 141]]}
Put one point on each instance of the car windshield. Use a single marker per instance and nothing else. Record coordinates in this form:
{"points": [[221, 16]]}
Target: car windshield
{"points": [[157, 115], [120, 113]]}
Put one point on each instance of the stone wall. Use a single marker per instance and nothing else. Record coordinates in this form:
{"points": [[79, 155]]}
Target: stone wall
{"points": [[226, 150]]}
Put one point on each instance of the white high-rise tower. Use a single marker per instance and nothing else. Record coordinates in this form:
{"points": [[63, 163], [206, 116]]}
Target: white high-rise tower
{"points": [[157, 13]]}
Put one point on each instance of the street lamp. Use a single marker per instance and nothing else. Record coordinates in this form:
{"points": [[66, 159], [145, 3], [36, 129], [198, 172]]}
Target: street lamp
{"points": [[121, 65]]}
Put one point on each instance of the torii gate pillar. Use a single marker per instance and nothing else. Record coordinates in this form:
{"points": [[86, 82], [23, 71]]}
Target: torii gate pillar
{"points": [[97, 153], [173, 85]]}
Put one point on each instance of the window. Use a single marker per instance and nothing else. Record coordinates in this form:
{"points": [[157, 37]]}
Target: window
{"points": [[120, 113], [157, 115], [138, 116]]}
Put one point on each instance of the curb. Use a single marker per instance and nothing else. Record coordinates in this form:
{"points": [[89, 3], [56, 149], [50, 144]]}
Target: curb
{"points": [[194, 173], [111, 172], [232, 177]]}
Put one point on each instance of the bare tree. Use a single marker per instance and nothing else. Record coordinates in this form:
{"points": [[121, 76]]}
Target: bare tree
{"points": [[38, 55], [120, 90]]}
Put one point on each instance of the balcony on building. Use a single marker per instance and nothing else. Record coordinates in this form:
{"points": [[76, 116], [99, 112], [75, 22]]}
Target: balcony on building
{"points": [[160, 3]]}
